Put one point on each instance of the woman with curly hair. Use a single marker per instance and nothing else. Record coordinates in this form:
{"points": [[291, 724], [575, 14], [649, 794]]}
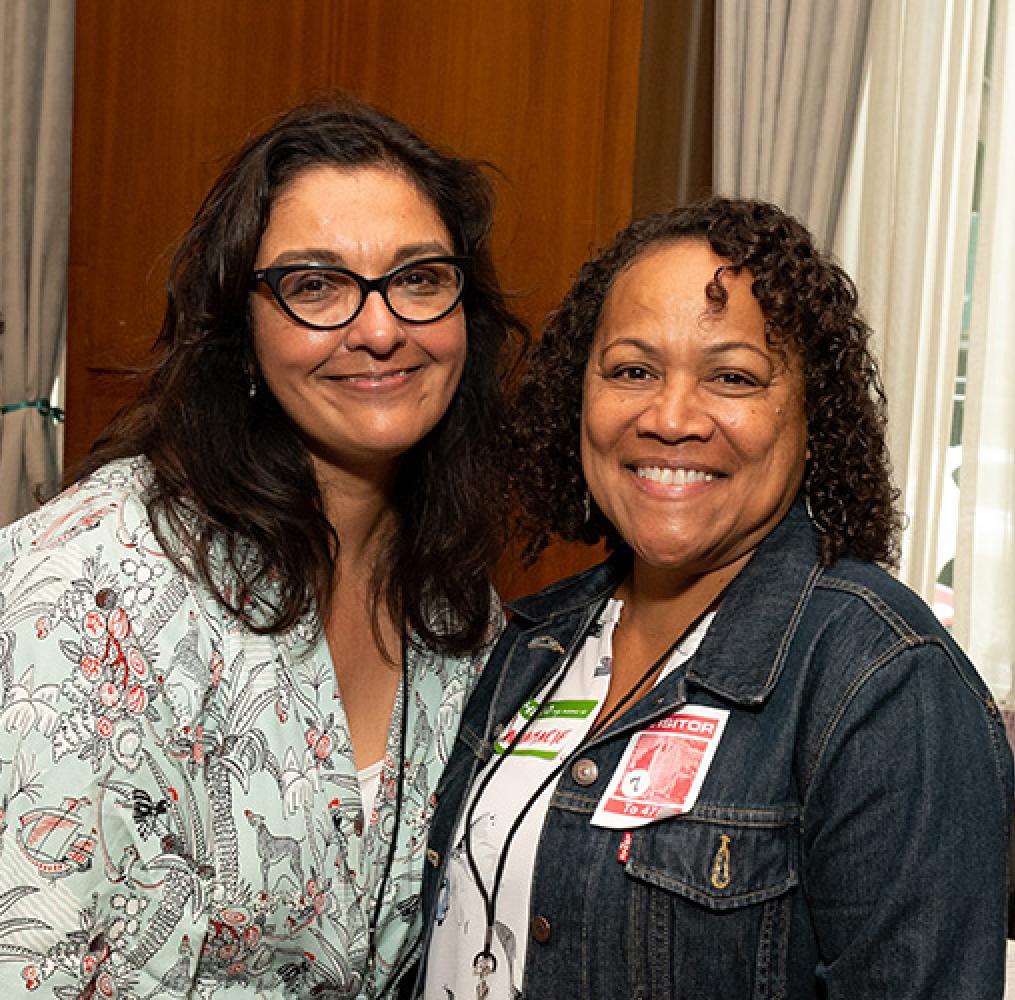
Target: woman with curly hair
{"points": [[232, 652], [737, 759]]}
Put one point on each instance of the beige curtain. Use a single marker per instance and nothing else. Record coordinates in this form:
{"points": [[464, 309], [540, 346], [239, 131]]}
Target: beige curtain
{"points": [[36, 63], [985, 549], [788, 80], [911, 207]]}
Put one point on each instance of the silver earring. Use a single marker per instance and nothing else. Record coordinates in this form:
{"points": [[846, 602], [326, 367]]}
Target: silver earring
{"points": [[252, 388], [588, 506], [818, 526]]}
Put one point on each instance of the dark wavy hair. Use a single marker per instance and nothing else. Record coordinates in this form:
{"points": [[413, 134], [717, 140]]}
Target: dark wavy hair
{"points": [[233, 474], [809, 303]]}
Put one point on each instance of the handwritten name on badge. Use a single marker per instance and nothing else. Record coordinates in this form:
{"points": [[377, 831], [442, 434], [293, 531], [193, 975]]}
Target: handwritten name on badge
{"points": [[662, 769], [549, 732]]}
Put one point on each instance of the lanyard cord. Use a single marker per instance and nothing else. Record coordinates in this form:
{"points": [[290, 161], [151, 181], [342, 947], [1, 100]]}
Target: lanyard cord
{"points": [[485, 959], [399, 796]]}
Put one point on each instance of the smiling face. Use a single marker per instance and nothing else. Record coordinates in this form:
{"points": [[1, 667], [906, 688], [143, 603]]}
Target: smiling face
{"points": [[364, 394], [694, 435]]}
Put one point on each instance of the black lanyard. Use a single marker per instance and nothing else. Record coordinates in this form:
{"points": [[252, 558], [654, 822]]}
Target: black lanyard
{"points": [[389, 861], [484, 962]]}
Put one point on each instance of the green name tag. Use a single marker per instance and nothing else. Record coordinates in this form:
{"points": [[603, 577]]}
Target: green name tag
{"points": [[546, 735]]}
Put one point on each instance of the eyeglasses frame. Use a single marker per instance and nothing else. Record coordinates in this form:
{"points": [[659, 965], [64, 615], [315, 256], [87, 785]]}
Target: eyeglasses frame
{"points": [[273, 276]]}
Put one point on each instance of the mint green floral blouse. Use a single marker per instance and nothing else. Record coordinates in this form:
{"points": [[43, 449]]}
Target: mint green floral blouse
{"points": [[180, 813]]}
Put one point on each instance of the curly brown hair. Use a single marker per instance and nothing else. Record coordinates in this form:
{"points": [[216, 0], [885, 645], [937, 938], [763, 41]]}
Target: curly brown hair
{"points": [[809, 303], [234, 473]]}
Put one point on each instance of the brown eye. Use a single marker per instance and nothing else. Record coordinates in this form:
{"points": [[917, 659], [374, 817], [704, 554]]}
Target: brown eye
{"points": [[633, 373], [426, 279], [312, 286]]}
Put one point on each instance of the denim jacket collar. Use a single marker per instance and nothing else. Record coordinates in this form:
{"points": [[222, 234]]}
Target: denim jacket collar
{"points": [[784, 569]]}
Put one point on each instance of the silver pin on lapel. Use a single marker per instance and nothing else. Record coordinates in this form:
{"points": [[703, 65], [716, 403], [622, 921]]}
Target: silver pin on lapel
{"points": [[546, 642]]}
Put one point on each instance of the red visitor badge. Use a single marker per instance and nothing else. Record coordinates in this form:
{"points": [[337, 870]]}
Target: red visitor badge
{"points": [[662, 769]]}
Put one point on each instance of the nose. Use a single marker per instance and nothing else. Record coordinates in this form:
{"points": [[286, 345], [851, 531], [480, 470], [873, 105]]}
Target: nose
{"points": [[678, 410], [376, 329]]}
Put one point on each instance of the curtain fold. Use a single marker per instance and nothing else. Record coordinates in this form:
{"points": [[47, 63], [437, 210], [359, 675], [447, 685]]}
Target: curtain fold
{"points": [[789, 75], [863, 120], [985, 550], [36, 74], [913, 201]]}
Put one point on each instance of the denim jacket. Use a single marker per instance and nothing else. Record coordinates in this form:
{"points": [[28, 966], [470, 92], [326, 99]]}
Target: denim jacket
{"points": [[849, 840]]}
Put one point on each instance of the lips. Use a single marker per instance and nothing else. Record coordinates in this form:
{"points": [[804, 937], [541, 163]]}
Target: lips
{"points": [[669, 476], [374, 377]]}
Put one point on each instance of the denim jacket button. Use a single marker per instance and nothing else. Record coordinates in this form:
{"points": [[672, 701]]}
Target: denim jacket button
{"points": [[540, 929], [584, 772]]}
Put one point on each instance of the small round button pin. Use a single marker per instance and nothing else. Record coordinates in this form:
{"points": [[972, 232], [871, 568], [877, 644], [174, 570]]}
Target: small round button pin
{"points": [[585, 772], [540, 929]]}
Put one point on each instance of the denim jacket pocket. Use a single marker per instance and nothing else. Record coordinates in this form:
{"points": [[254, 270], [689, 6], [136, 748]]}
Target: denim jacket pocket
{"points": [[721, 858], [710, 896]]}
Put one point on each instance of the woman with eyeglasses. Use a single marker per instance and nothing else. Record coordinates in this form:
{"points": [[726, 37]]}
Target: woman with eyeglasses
{"points": [[235, 651]]}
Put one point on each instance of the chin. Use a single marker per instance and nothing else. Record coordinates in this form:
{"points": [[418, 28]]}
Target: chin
{"points": [[668, 558]]}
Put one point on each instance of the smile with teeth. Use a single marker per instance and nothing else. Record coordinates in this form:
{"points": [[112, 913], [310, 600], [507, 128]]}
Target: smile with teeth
{"points": [[375, 376], [673, 477]]}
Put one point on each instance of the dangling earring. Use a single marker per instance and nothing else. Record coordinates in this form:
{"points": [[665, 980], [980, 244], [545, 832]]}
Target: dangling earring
{"points": [[588, 506], [807, 507], [252, 388], [807, 500]]}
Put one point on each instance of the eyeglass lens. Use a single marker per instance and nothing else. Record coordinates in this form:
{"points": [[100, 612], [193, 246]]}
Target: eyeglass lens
{"points": [[417, 293]]}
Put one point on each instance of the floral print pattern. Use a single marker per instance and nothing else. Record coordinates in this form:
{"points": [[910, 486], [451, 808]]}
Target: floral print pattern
{"points": [[179, 807]]}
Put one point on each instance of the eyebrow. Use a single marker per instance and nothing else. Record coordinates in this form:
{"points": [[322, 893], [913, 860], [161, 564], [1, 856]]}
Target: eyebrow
{"points": [[736, 345], [712, 350], [323, 255], [635, 342], [720, 348]]}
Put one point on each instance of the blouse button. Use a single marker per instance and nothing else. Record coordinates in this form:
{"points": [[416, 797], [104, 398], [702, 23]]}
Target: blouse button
{"points": [[585, 772], [540, 929]]}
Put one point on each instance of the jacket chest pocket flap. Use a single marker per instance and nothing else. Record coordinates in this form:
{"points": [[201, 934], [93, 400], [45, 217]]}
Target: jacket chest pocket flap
{"points": [[720, 858]]}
